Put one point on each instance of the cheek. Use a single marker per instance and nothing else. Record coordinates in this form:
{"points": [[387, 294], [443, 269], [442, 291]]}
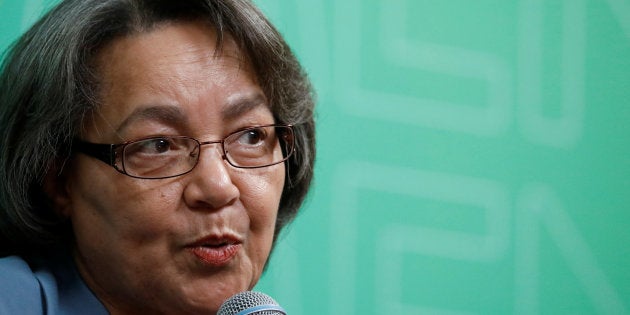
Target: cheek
{"points": [[117, 214], [261, 194]]}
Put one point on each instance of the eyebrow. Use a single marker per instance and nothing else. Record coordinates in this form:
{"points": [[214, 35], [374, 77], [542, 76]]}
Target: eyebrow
{"points": [[173, 115], [242, 104], [163, 113]]}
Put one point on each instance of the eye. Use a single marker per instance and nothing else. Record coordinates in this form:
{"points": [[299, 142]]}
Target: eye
{"points": [[252, 136], [160, 145]]}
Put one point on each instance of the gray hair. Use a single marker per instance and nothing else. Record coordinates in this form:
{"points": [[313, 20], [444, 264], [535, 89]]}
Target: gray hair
{"points": [[48, 87]]}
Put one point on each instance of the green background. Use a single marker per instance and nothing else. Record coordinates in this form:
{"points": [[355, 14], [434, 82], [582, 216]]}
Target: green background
{"points": [[473, 156]]}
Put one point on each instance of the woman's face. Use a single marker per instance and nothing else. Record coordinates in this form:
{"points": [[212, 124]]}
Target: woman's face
{"points": [[183, 244]]}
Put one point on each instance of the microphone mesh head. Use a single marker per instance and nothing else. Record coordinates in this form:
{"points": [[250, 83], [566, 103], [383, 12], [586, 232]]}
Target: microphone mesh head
{"points": [[247, 300]]}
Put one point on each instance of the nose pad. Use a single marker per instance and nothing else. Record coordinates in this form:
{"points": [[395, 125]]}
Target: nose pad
{"points": [[218, 146]]}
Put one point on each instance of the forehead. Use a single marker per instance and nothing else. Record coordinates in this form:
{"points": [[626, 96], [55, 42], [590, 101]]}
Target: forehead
{"points": [[175, 64], [169, 41]]}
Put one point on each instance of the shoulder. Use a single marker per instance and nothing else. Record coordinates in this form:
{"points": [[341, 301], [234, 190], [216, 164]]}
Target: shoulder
{"points": [[45, 285], [20, 292]]}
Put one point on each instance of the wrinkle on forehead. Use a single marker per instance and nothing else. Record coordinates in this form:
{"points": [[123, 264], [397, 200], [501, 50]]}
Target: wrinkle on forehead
{"points": [[171, 67]]}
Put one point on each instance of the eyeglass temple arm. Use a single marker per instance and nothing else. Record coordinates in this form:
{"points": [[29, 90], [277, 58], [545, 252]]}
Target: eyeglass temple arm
{"points": [[103, 152]]}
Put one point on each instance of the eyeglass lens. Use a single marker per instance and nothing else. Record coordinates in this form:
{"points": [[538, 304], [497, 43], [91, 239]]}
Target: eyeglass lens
{"points": [[169, 156]]}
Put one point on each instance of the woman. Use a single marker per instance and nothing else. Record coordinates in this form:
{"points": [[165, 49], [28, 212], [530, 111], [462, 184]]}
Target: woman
{"points": [[151, 153]]}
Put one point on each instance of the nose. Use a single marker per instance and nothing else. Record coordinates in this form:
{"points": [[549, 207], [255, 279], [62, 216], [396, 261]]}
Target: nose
{"points": [[210, 185]]}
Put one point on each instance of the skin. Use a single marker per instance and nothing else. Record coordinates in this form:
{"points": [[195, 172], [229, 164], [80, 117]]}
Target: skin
{"points": [[133, 235]]}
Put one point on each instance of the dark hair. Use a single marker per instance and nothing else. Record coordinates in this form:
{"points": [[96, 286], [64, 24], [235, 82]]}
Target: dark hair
{"points": [[48, 86]]}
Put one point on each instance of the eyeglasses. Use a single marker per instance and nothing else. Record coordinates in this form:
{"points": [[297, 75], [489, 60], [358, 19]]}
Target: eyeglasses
{"points": [[170, 156]]}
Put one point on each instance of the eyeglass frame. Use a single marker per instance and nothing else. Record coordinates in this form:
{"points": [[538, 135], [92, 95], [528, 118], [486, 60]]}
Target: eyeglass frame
{"points": [[108, 153]]}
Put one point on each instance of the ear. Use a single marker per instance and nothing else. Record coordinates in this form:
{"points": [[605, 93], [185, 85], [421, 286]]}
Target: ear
{"points": [[56, 188]]}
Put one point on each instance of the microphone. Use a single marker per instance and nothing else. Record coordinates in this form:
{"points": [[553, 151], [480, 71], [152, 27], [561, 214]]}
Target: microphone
{"points": [[251, 303]]}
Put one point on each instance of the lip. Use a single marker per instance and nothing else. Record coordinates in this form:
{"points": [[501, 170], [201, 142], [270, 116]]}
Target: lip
{"points": [[216, 251]]}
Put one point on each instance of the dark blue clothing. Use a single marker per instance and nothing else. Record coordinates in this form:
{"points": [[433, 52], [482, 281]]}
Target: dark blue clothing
{"points": [[46, 286]]}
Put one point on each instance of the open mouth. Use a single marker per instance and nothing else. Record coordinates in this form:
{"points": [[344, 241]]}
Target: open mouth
{"points": [[216, 251], [216, 255], [215, 245]]}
